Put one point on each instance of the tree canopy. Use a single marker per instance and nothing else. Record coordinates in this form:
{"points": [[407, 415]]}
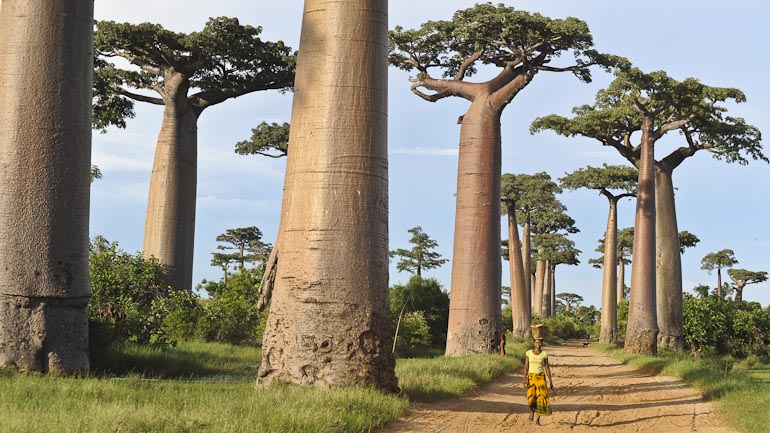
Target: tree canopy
{"points": [[421, 256], [520, 42], [267, 139], [224, 60], [687, 106]]}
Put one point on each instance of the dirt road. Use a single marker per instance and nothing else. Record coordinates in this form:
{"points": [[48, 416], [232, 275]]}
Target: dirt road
{"points": [[594, 393]]}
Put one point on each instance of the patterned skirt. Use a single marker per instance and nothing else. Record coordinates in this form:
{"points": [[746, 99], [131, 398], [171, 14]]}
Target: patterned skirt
{"points": [[537, 394]]}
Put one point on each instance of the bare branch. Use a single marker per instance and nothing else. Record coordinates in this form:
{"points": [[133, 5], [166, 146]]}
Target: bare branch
{"points": [[141, 98], [143, 64], [467, 64]]}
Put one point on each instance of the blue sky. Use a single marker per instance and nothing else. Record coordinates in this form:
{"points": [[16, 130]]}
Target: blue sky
{"points": [[726, 206]]}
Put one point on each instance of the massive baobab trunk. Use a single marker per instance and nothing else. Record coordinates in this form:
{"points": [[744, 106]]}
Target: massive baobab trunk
{"points": [[547, 290], [668, 269], [476, 268], [169, 230], [609, 322], [621, 289], [46, 66], [642, 329], [537, 293], [520, 308], [526, 255], [329, 321]]}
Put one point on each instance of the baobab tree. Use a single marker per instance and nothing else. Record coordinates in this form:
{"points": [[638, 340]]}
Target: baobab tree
{"points": [[718, 260], [527, 193], [741, 278], [187, 74], [519, 45], [519, 295], [553, 249], [46, 67], [327, 276], [569, 300], [654, 104], [547, 226], [622, 180], [421, 256]]}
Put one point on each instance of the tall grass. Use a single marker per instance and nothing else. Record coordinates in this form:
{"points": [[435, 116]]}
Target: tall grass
{"points": [[204, 387], [740, 390]]}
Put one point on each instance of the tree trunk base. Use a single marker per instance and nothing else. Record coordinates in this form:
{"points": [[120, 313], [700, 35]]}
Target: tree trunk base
{"points": [[608, 336], [480, 339], [641, 342], [47, 335], [674, 343]]}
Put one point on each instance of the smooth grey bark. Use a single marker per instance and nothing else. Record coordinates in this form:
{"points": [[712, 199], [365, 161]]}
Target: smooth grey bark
{"points": [[668, 264], [642, 328], [329, 322], [169, 231], [547, 290], [520, 308], [526, 259], [46, 67], [621, 286], [609, 319], [474, 306], [537, 294]]}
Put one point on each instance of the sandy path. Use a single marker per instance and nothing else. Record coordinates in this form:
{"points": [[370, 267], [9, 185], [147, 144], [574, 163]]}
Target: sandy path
{"points": [[594, 392]]}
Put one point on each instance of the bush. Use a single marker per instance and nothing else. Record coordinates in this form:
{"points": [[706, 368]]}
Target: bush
{"points": [[124, 289], [716, 325], [423, 295]]}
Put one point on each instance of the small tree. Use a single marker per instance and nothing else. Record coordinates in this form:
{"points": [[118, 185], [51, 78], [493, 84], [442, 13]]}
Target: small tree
{"points": [[569, 300], [246, 244], [271, 140], [741, 278], [718, 260], [421, 256], [426, 297]]}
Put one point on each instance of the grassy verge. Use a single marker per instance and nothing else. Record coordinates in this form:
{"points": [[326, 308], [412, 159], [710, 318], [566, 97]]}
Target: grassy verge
{"points": [[740, 390], [199, 387]]}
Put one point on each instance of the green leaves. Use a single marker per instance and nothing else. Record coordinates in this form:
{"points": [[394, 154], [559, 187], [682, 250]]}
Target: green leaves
{"points": [[420, 256], [222, 61], [266, 139], [687, 106], [503, 35], [608, 177]]}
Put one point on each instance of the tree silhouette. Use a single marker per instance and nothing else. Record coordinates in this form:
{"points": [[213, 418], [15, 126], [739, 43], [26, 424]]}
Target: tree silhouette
{"points": [[718, 260]]}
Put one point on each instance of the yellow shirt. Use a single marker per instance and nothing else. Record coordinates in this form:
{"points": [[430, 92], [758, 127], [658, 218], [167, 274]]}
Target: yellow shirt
{"points": [[536, 362]]}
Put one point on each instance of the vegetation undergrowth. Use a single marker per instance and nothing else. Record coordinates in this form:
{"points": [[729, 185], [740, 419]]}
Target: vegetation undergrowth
{"points": [[210, 387], [740, 389], [441, 378]]}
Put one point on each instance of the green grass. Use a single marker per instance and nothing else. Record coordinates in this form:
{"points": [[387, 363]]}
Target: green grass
{"points": [[740, 390], [203, 387]]}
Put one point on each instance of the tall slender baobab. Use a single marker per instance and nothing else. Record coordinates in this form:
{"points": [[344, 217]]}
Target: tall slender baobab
{"points": [[519, 45], [718, 260], [187, 74], [329, 322], [621, 179], [654, 104], [521, 311], [546, 225], [46, 65]]}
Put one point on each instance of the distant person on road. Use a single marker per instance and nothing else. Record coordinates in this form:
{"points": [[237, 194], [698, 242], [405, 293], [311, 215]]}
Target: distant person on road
{"points": [[536, 369]]}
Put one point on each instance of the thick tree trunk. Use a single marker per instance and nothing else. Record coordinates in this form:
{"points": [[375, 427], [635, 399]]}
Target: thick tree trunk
{"points": [[169, 230], [739, 294], [642, 329], [553, 290], [474, 306], [526, 258], [329, 323], [621, 284], [609, 322], [520, 309], [537, 294], [46, 67], [668, 265], [547, 312]]}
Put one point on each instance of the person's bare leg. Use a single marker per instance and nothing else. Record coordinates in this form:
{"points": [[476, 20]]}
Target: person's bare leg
{"points": [[537, 419], [531, 415]]}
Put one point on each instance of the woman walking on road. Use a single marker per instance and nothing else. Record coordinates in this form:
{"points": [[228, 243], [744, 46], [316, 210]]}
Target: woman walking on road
{"points": [[536, 369]]}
